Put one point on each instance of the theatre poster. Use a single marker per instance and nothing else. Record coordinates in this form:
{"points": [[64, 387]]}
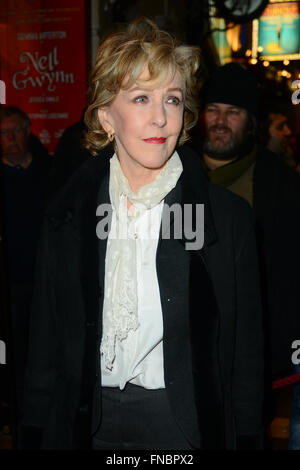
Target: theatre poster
{"points": [[43, 62]]}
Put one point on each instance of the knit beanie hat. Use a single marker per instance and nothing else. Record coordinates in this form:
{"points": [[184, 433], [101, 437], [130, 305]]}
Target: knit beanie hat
{"points": [[232, 84]]}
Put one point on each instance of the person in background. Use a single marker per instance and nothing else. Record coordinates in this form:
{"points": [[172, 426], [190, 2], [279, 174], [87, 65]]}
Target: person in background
{"points": [[25, 169], [234, 158], [140, 340], [276, 131]]}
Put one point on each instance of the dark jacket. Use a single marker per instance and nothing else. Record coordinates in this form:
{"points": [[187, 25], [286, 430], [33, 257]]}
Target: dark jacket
{"points": [[213, 351], [276, 203], [24, 194]]}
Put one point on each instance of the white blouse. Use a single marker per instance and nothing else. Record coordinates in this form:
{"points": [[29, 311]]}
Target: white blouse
{"points": [[139, 357]]}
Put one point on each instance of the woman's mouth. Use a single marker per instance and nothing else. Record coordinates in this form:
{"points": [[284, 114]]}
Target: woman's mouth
{"points": [[155, 140]]}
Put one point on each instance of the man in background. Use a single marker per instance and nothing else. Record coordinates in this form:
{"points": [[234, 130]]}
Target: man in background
{"points": [[234, 158], [25, 166]]}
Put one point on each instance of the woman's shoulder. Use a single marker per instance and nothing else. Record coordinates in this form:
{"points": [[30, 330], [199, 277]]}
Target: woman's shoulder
{"points": [[221, 198], [82, 184], [232, 215], [227, 200]]}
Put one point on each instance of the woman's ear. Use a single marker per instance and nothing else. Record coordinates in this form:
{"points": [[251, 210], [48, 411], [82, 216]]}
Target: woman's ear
{"points": [[104, 120]]}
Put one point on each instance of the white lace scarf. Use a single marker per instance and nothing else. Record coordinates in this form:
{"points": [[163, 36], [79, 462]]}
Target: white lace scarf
{"points": [[120, 308]]}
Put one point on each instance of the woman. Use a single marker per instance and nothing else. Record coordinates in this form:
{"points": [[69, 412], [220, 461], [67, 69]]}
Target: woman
{"points": [[141, 337]]}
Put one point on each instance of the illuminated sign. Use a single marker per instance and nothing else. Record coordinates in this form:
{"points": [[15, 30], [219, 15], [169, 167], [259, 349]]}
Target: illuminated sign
{"points": [[218, 28], [220, 40], [277, 32]]}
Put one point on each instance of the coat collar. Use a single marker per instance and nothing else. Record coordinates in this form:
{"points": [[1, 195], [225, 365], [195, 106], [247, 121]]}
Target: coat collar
{"points": [[195, 190], [81, 191]]}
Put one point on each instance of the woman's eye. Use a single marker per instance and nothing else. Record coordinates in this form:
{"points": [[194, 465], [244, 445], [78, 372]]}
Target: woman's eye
{"points": [[174, 100], [235, 112], [140, 99]]}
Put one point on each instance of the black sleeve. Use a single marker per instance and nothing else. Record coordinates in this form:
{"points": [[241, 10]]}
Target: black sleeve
{"points": [[248, 371], [43, 356]]}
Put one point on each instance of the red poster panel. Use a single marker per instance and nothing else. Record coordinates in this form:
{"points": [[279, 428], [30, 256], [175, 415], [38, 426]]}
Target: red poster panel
{"points": [[43, 62]]}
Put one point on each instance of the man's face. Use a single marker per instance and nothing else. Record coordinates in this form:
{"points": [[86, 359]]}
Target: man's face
{"points": [[14, 137], [280, 133], [226, 130]]}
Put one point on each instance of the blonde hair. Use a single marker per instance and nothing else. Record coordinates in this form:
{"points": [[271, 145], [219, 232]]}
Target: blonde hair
{"points": [[119, 62]]}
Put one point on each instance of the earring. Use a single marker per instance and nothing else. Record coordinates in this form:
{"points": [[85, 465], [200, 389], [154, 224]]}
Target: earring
{"points": [[110, 136]]}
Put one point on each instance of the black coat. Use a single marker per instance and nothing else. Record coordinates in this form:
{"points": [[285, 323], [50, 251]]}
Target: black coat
{"points": [[276, 203], [213, 351]]}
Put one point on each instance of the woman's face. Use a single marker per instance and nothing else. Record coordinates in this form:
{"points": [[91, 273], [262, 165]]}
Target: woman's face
{"points": [[146, 125]]}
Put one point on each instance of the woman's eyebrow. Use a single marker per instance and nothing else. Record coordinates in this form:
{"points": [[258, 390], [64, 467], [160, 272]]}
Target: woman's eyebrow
{"points": [[175, 89], [137, 88]]}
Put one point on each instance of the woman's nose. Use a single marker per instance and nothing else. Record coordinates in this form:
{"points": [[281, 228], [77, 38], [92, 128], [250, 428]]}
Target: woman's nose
{"points": [[159, 117]]}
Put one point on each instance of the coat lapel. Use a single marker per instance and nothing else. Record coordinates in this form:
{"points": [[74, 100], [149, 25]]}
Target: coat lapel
{"points": [[190, 316], [265, 187]]}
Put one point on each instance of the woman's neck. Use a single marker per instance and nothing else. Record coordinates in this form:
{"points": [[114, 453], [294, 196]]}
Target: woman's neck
{"points": [[138, 181], [139, 176]]}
